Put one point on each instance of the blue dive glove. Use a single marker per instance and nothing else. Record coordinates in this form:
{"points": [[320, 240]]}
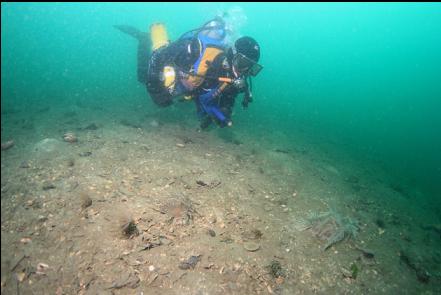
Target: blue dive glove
{"points": [[210, 107]]}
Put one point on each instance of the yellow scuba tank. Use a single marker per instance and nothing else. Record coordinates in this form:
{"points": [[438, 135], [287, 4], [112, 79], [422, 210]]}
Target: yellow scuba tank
{"points": [[169, 77], [159, 38], [158, 35]]}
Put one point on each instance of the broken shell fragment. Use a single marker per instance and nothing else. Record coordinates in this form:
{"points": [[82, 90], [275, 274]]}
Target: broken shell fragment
{"points": [[250, 246], [70, 137], [20, 276], [41, 267]]}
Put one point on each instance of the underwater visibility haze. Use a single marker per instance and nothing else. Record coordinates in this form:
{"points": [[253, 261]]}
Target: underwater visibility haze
{"points": [[329, 181]]}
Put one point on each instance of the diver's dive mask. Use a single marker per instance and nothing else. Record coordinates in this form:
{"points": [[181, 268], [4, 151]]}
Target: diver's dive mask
{"points": [[245, 65]]}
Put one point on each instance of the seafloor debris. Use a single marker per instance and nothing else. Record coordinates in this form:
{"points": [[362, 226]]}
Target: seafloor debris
{"points": [[352, 272], [85, 154], [366, 252], [41, 268], [48, 185], [179, 210], [25, 164], [129, 228], [7, 145], [329, 227], [86, 201], [128, 280], [253, 234], [275, 269], [70, 137], [251, 246], [211, 232], [190, 262], [414, 262]]}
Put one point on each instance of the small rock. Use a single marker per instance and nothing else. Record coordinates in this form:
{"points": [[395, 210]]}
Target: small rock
{"points": [[7, 145], [86, 202], [85, 154], [165, 241], [70, 137], [201, 183], [154, 123], [212, 233], [25, 240], [190, 262], [180, 145], [25, 164], [346, 273], [48, 186], [251, 246], [42, 218], [275, 269], [212, 219], [253, 234], [280, 280], [41, 268]]}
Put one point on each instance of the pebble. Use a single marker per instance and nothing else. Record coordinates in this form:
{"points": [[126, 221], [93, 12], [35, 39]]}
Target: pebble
{"points": [[25, 164], [180, 145], [86, 202], [280, 280], [41, 267], [7, 145], [212, 219], [190, 262], [25, 240], [42, 218], [212, 233], [48, 186]]}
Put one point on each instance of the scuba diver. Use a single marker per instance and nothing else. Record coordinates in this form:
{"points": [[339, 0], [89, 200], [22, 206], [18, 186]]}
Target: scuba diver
{"points": [[229, 75], [194, 65], [170, 69]]}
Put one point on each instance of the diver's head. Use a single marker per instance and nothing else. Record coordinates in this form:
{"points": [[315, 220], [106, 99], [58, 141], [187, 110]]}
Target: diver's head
{"points": [[214, 29], [246, 54]]}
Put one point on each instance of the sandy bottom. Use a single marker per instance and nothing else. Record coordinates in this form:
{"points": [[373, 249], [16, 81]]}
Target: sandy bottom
{"points": [[148, 206]]}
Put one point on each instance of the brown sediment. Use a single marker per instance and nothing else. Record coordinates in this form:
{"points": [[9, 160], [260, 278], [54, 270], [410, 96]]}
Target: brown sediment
{"points": [[212, 212]]}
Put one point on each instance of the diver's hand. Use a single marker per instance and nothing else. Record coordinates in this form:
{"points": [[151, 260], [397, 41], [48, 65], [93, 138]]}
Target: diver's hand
{"points": [[239, 83], [246, 100]]}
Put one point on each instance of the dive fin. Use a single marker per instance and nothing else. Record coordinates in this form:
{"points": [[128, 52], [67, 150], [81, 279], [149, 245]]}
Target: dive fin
{"points": [[129, 30]]}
